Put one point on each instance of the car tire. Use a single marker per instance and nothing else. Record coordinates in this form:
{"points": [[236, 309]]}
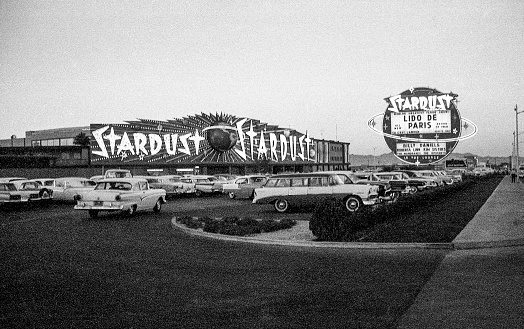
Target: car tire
{"points": [[231, 195], [158, 206], [93, 213], [131, 211], [394, 196], [413, 189], [198, 193], [353, 203], [281, 205]]}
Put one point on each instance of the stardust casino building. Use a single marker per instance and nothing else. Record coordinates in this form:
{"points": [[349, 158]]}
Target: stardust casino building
{"points": [[199, 144]]}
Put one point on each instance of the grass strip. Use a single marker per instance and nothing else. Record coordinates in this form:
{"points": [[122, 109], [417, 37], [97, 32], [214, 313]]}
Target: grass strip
{"points": [[433, 222]]}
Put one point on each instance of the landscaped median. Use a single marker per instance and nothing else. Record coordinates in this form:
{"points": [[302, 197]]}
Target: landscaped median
{"points": [[235, 225], [437, 215], [430, 219]]}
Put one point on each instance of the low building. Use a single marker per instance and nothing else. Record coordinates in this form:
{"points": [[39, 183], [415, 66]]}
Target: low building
{"points": [[205, 143]]}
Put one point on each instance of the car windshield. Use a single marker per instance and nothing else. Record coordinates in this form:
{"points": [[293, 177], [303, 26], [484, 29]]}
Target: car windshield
{"points": [[386, 177], [125, 186], [30, 185], [7, 187]]}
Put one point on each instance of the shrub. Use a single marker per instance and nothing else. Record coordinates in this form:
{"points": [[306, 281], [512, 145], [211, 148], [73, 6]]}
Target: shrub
{"points": [[213, 226], [190, 222], [327, 218], [235, 225], [268, 225]]}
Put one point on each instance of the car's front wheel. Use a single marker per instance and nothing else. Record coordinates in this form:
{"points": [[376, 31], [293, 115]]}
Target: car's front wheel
{"points": [[231, 195], [158, 206], [281, 205], [131, 211], [353, 203]]}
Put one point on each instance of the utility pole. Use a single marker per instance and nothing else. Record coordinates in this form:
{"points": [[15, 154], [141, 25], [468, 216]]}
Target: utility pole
{"points": [[517, 140]]}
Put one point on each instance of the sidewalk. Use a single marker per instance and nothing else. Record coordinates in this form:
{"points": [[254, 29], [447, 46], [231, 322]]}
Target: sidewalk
{"points": [[479, 288]]}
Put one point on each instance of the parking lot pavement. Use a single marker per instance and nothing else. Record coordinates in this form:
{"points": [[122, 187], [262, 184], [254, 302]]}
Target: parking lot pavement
{"points": [[477, 288]]}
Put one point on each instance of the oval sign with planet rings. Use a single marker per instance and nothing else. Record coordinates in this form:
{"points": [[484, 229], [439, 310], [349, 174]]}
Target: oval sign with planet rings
{"points": [[421, 125]]}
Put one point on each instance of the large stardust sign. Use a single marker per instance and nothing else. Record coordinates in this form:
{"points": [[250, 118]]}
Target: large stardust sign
{"points": [[422, 125], [203, 138]]}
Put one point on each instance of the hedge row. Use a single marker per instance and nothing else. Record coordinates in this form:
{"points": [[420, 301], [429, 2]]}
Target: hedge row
{"points": [[331, 221], [235, 225]]}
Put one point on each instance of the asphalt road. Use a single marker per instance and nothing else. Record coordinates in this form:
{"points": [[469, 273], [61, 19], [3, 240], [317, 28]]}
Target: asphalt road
{"points": [[62, 269]]}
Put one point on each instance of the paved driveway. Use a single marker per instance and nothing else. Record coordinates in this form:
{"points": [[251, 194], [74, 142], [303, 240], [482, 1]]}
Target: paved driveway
{"points": [[60, 268]]}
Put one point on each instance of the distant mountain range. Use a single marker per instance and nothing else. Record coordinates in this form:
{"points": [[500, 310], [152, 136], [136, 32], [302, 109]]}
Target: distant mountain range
{"points": [[390, 159]]}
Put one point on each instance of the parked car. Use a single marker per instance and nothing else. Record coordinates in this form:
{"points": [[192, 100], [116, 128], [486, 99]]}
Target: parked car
{"points": [[171, 184], [33, 191], [416, 183], [66, 188], [96, 178], [286, 190], [203, 184], [398, 187], [349, 177], [222, 179], [447, 179], [128, 195], [431, 175], [117, 173], [9, 194], [455, 174], [11, 179], [244, 187]]}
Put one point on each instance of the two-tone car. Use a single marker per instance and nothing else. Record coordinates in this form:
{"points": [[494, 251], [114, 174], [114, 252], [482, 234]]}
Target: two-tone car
{"points": [[65, 189], [127, 195], [33, 191], [349, 177], [171, 184], [244, 186], [398, 187], [286, 190]]}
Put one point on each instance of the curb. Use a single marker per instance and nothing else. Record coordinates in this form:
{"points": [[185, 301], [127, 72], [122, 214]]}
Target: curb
{"points": [[313, 244], [487, 244]]}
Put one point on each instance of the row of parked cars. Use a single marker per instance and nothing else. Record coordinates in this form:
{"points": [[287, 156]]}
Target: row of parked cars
{"points": [[118, 190], [354, 189]]}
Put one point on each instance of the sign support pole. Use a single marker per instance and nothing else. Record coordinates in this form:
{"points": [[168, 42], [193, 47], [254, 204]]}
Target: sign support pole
{"points": [[517, 140]]}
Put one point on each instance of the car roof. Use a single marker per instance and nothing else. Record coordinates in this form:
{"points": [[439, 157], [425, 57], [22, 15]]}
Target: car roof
{"points": [[10, 179], [298, 175], [123, 180]]}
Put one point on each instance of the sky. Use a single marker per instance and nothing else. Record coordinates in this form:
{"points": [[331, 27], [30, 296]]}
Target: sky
{"points": [[319, 66]]}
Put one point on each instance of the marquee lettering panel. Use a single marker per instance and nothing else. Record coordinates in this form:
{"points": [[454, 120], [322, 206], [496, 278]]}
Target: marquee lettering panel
{"points": [[204, 138]]}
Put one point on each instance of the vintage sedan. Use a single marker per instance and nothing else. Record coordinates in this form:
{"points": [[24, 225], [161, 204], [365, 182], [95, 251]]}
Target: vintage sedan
{"points": [[127, 195], [66, 188], [416, 183], [9, 194], [33, 191], [171, 184], [287, 190], [397, 186], [349, 177], [244, 187]]}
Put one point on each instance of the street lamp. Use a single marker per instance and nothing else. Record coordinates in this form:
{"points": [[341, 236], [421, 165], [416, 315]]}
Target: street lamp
{"points": [[517, 139]]}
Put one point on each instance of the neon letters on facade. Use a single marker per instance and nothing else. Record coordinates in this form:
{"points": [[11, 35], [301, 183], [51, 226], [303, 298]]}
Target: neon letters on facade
{"points": [[205, 138]]}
